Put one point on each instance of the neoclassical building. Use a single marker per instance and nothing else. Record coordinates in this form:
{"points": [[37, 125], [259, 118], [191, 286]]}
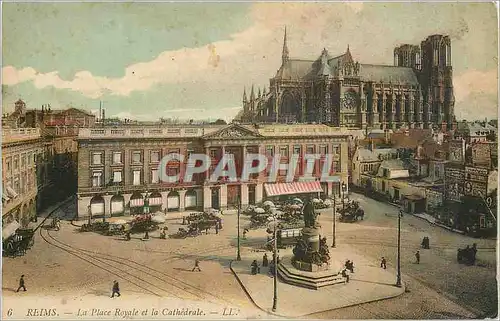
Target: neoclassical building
{"points": [[22, 152], [118, 165], [336, 90]]}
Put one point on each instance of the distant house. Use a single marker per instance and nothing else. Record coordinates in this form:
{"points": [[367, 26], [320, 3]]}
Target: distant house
{"points": [[367, 161], [394, 168]]}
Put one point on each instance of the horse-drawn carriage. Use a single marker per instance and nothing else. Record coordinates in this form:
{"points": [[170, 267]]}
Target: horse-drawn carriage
{"points": [[467, 255], [352, 212], [19, 243]]}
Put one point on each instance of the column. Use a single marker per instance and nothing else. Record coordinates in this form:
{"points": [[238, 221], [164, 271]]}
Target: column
{"points": [[83, 206], [411, 112], [375, 114], [393, 111], [182, 200], [207, 173], [259, 191], [383, 112], [223, 196], [329, 189], [363, 105], [207, 198], [164, 198], [402, 110], [244, 194], [107, 205]]}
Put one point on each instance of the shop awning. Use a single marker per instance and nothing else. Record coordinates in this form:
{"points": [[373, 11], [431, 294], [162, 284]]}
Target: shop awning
{"points": [[155, 201], [5, 197], [10, 229], [137, 202], [292, 188]]}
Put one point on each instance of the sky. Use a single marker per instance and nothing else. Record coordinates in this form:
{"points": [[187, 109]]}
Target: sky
{"points": [[193, 60]]}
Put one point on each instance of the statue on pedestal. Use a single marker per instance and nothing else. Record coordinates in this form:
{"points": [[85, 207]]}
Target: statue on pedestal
{"points": [[310, 215]]}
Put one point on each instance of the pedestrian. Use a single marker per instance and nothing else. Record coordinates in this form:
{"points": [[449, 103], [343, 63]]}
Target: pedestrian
{"points": [[255, 267], [146, 236], [21, 284], [216, 228], [116, 289], [345, 273], [196, 266], [417, 256], [383, 263], [265, 260], [244, 234]]}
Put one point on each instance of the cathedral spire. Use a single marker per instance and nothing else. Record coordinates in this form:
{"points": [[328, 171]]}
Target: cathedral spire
{"points": [[252, 94], [244, 94], [285, 53]]}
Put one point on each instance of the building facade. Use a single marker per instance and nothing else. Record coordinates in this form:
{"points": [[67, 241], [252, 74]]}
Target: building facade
{"points": [[416, 92], [21, 149], [118, 166]]}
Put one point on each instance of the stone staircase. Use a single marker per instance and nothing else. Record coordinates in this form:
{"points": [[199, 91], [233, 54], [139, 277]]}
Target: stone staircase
{"points": [[311, 280]]}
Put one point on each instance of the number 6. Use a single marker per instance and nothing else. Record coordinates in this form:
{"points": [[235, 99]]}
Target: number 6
{"points": [[9, 312]]}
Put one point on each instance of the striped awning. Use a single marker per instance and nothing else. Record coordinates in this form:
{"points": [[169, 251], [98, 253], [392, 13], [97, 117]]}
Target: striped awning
{"points": [[155, 201], [136, 202], [292, 188], [12, 193]]}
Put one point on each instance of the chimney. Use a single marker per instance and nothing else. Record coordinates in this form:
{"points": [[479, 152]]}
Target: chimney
{"points": [[103, 115]]}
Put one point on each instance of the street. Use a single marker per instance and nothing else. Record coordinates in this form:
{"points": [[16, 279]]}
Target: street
{"points": [[74, 264]]}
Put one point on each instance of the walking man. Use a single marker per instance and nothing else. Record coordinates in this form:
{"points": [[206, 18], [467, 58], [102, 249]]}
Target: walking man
{"points": [[345, 273], [196, 266], [216, 228], [21, 284], [417, 256], [383, 263], [116, 289]]}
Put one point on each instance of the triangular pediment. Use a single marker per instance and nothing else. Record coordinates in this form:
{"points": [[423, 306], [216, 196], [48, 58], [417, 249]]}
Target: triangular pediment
{"points": [[233, 131]]}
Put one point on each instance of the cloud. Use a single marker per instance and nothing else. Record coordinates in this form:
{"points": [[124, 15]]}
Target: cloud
{"points": [[474, 81], [244, 52]]}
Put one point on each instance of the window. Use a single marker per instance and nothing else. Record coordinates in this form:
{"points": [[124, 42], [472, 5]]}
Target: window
{"points": [[96, 178], [136, 157], [213, 153], [336, 166], [154, 176], [310, 149], [97, 158], [174, 151], [136, 177], [117, 176], [269, 150], [23, 160], [336, 149], [155, 156], [172, 171], [284, 151], [16, 164], [117, 158], [296, 150], [8, 165], [323, 150]]}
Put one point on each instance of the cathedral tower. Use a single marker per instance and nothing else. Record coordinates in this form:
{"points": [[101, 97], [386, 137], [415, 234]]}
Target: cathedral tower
{"points": [[437, 78]]}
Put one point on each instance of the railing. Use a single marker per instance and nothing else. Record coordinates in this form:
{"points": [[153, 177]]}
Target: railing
{"points": [[139, 133], [19, 134]]}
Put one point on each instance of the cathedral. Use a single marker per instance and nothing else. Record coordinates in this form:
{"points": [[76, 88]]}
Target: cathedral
{"points": [[417, 92]]}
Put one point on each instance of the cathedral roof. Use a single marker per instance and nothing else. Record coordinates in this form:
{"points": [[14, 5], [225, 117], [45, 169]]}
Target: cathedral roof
{"points": [[385, 74], [297, 69]]}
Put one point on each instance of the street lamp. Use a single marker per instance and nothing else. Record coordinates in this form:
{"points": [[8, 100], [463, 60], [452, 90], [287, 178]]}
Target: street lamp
{"points": [[275, 283], [146, 204], [238, 255], [344, 189], [89, 210], [398, 278], [334, 219]]}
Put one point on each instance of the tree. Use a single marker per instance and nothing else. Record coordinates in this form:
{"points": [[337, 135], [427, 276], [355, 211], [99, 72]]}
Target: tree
{"points": [[219, 122]]}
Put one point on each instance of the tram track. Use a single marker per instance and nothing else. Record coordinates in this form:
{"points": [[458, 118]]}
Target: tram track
{"points": [[169, 280]]}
